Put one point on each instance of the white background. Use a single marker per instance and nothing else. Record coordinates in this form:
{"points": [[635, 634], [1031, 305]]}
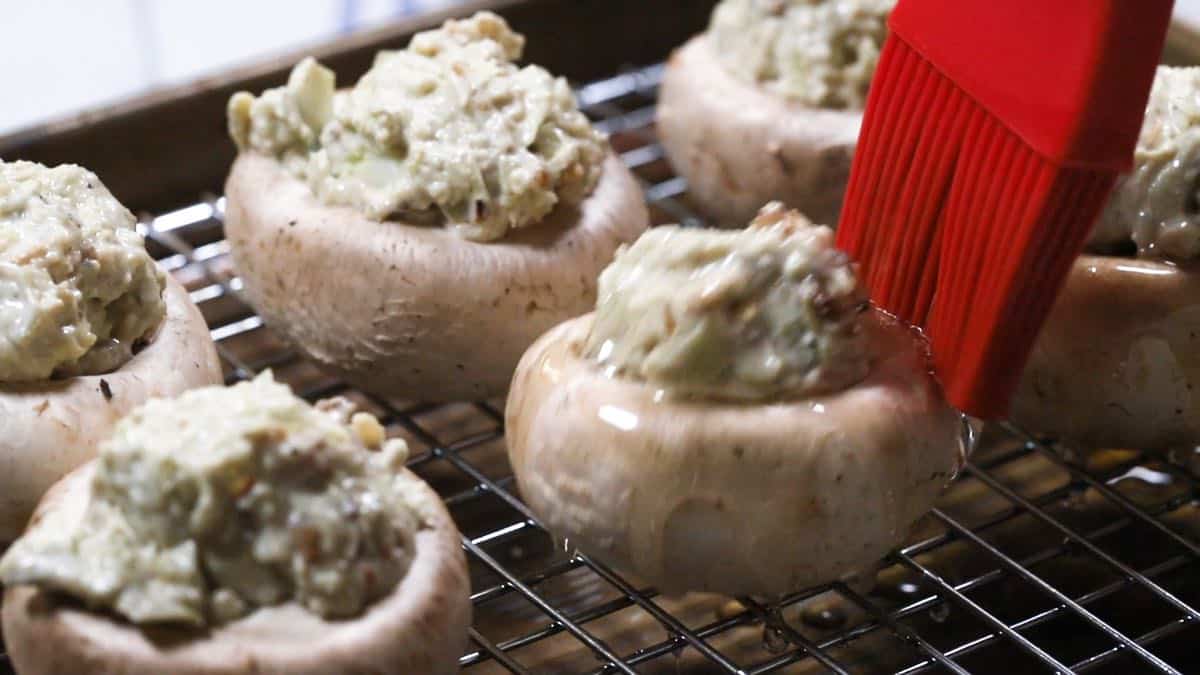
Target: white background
{"points": [[59, 56]]}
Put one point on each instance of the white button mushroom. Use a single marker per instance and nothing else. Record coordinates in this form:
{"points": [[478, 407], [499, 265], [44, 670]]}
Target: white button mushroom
{"points": [[451, 208], [1117, 363], [237, 530], [677, 456]]}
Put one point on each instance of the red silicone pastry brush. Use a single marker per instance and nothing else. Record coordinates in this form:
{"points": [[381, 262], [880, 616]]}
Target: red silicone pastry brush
{"points": [[992, 136]]}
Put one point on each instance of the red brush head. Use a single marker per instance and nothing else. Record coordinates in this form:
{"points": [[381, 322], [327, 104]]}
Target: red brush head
{"points": [[1070, 77], [991, 139]]}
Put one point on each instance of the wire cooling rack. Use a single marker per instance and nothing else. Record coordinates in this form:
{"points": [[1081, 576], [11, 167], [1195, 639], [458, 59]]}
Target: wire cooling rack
{"points": [[1038, 558]]}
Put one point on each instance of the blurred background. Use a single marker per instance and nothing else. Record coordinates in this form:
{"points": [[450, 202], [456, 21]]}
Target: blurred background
{"points": [[62, 56]]}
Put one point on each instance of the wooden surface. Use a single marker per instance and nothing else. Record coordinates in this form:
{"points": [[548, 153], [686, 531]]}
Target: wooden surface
{"points": [[164, 149]]}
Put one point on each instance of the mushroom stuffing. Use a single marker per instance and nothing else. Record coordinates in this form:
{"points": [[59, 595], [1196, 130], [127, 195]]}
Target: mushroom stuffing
{"points": [[239, 529], [416, 232]]}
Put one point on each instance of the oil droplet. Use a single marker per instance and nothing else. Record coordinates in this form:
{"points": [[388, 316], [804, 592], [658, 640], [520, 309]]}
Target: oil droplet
{"points": [[824, 617], [939, 612], [903, 591], [774, 640], [729, 609], [564, 544], [1179, 455], [968, 441], [1145, 475], [677, 650]]}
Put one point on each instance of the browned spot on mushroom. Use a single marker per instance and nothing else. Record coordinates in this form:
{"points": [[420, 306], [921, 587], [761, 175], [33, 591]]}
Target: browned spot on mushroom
{"points": [[775, 150], [41, 406]]}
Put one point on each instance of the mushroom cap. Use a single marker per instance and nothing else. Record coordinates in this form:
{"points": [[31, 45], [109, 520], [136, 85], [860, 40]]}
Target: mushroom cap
{"points": [[49, 428], [421, 627], [740, 146], [416, 311], [732, 498], [1117, 363]]}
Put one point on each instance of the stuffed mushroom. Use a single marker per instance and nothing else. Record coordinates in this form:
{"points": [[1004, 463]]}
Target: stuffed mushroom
{"points": [[416, 232], [1116, 363], [89, 328], [733, 417], [237, 530], [767, 104]]}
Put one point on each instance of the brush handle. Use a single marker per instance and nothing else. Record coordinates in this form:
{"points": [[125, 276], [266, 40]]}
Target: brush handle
{"points": [[1070, 77]]}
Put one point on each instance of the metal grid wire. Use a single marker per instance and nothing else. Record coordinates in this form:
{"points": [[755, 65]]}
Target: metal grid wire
{"points": [[1037, 558]]}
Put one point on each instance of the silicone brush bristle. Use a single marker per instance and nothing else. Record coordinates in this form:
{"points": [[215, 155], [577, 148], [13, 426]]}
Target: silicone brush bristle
{"points": [[1013, 226], [912, 128], [961, 228], [983, 330]]}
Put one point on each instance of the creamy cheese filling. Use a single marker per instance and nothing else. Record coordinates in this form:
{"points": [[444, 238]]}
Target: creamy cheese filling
{"points": [[223, 500], [767, 312], [821, 53], [78, 292], [449, 130], [1157, 206]]}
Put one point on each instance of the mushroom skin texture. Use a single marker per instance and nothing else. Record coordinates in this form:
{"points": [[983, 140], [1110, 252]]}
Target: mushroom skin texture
{"points": [[732, 498], [1117, 363], [421, 627], [49, 428], [740, 146], [415, 311]]}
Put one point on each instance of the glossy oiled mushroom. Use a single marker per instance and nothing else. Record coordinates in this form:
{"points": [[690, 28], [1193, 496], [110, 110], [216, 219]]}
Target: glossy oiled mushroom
{"points": [[1118, 361], [731, 419], [418, 235]]}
